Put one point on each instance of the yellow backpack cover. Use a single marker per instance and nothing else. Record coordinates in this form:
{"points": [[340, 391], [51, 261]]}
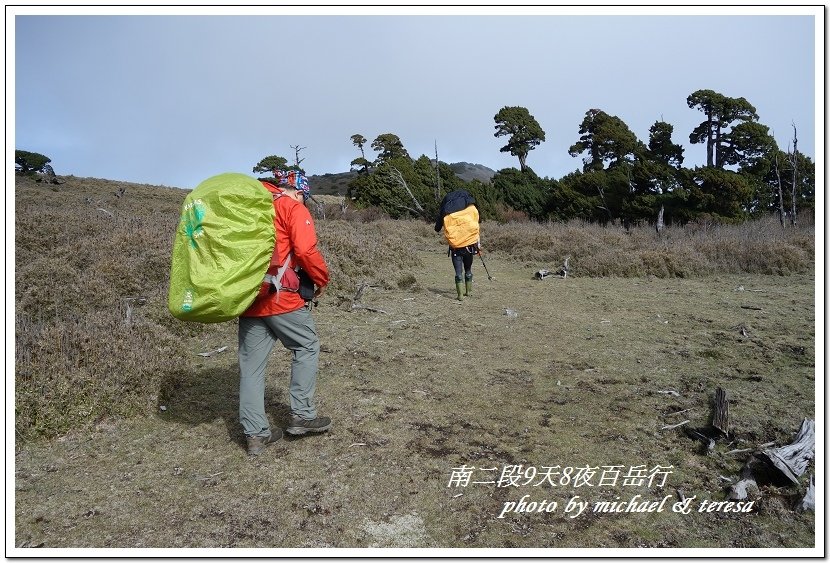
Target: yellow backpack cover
{"points": [[461, 228]]}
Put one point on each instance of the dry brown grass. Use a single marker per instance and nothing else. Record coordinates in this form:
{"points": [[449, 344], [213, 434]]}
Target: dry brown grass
{"points": [[426, 386], [759, 247], [85, 257]]}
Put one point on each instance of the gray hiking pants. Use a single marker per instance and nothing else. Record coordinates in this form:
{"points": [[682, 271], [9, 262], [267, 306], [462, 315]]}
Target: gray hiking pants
{"points": [[257, 335]]}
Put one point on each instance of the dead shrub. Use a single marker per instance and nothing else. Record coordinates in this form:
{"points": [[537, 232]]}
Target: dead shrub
{"points": [[74, 370], [703, 248], [376, 253], [664, 264]]}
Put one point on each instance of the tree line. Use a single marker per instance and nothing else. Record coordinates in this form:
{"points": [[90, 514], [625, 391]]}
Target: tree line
{"points": [[623, 180]]}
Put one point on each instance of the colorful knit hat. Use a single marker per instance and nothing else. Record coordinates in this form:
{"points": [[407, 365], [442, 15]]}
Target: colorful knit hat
{"points": [[293, 179]]}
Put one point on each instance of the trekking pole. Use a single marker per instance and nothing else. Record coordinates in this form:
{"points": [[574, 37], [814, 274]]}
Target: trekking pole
{"points": [[489, 277]]}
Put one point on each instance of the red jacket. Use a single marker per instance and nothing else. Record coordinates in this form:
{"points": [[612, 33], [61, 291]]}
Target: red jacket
{"points": [[295, 234]]}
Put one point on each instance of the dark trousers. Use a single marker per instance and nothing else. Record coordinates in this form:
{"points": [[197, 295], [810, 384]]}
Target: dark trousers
{"points": [[462, 258]]}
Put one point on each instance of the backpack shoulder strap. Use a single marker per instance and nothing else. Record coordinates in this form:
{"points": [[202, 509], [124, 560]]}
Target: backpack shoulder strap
{"points": [[275, 280]]}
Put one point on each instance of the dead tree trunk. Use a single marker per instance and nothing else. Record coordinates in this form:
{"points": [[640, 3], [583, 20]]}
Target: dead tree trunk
{"points": [[396, 175], [780, 192], [297, 159], [659, 226], [604, 204], [437, 176], [794, 162]]}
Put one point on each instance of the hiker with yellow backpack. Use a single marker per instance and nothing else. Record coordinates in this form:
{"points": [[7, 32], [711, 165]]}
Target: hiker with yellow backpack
{"points": [[459, 219]]}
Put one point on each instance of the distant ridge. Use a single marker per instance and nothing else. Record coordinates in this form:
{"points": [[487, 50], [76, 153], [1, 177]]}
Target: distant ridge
{"points": [[338, 183], [331, 184], [468, 171]]}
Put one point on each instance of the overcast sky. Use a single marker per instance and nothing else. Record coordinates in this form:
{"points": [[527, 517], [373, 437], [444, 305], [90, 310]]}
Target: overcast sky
{"points": [[173, 99]]}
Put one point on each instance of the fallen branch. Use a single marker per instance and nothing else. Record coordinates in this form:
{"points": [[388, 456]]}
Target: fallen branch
{"points": [[129, 302], [671, 426], [356, 305], [359, 295], [367, 308], [706, 440], [212, 352]]}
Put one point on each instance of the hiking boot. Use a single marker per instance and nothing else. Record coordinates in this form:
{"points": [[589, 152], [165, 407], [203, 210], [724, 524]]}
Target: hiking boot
{"points": [[257, 444], [298, 426]]}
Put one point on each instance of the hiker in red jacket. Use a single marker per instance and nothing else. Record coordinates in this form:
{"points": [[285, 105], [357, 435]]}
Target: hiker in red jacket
{"points": [[282, 314]]}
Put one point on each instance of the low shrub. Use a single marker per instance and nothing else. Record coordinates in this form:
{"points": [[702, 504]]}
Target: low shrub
{"points": [[758, 247], [377, 253]]}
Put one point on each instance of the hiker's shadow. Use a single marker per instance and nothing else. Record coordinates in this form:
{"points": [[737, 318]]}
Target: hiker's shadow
{"points": [[205, 394], [442, 292]]}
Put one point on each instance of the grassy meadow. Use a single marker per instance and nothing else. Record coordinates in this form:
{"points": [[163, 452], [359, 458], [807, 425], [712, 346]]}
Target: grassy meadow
{"points": [[127, 437]]}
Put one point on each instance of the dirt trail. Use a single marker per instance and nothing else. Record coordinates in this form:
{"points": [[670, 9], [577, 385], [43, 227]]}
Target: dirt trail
{"points": [[431, 385]]}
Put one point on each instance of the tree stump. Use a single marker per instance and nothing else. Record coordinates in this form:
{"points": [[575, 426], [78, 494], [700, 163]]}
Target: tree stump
{"points": [[563, 271], [792, 460], [784, 463], [720, 416]]}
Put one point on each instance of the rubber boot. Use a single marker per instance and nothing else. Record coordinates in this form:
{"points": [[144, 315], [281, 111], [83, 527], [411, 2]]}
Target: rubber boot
{"points": [[458, 289], [468, 285]]}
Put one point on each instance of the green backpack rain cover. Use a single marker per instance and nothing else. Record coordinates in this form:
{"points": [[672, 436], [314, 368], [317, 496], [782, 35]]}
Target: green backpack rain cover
{"points": [[222, 249]]}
